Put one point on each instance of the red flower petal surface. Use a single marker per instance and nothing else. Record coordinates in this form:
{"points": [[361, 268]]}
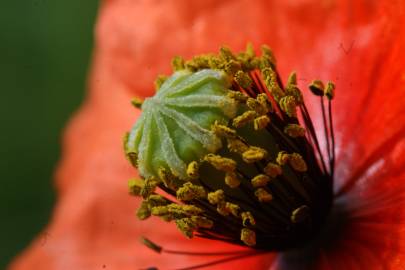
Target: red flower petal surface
{"points": [[359, 46]]}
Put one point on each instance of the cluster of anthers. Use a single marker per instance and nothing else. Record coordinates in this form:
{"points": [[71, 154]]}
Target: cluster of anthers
{"points": [[229, 153]]}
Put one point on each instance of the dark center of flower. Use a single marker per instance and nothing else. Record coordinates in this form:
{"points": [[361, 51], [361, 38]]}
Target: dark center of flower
{"points": [[229, 153]]}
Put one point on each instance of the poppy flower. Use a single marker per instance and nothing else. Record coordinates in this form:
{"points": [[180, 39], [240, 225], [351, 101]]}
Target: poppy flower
{"points": [[359, 46]]}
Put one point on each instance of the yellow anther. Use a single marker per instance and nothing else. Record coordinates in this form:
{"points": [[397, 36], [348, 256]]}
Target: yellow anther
{"points": [[292, 89], [243, 79], [260, 180], [143, 211], [135, 186], [296, 93], [261, 122], [222, 130], [189, 210], [193, 170], [175, 211], [133, 158], [248, 237], [226, 208], [216, 197], [202, 222], [198, 62], [330, 90], [288, 104], [234, 209], [272, 170], [221, 163], [250, 51], [160, 210], [244, 118], [190, 191], [222, 209], [317, 87], [216, 62], [300, 214], [292, 79], [191, 65], [159, 81], [262, 195], [270, 80], [255, 63], [282, 158], [149, 187], [186, 226], [266, 51], [232, 180], [294, 130], [237, 145], [156, 200], [267, 58], [247, 219], [254, 154], [264, 103], [178, 63], [202, 61], [238, 96], [167, 178], [231, 67], [297, 162], [226, 54], [136, 102], [254, 105]]}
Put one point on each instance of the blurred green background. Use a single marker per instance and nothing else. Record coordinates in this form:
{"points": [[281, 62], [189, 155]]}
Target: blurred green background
{"points": [[45, 50]]}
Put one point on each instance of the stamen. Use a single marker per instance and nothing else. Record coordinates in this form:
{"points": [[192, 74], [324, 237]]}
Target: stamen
{"points": [[294, 130], [263, 196], [178, 63], [135, 186], [223, 131], [192, 170], [221, 163], [216, 197], [190, 192], [238, 96], [243, 79], [247, 219], [317, 87], [237, 145], [149, 187], [244, 119], [300, 214], [248, 237], [261, 122], [159, 81], [288, 104], [254, 154], [297, 162], [273, 170], [276, 189], [232, 180], [137, 102], [260, 180]]}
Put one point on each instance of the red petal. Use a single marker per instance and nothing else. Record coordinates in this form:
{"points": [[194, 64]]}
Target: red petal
{"points": [[358, 46]]}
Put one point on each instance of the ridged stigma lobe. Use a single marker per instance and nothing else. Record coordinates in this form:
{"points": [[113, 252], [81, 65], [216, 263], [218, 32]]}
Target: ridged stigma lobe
{"points": [[179, 117]]}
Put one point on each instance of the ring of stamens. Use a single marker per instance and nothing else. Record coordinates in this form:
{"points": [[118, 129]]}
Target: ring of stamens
{"points": [[272, 189]]}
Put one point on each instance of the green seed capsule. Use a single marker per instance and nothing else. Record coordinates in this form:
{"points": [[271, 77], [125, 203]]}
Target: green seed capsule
{"points": [[175, 126]]}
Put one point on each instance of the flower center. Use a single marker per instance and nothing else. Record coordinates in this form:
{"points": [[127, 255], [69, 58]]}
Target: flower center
{"points": [[221, 152]]}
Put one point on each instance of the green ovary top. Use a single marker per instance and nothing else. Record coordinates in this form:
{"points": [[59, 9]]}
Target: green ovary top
{"points": [[174, 128]]}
